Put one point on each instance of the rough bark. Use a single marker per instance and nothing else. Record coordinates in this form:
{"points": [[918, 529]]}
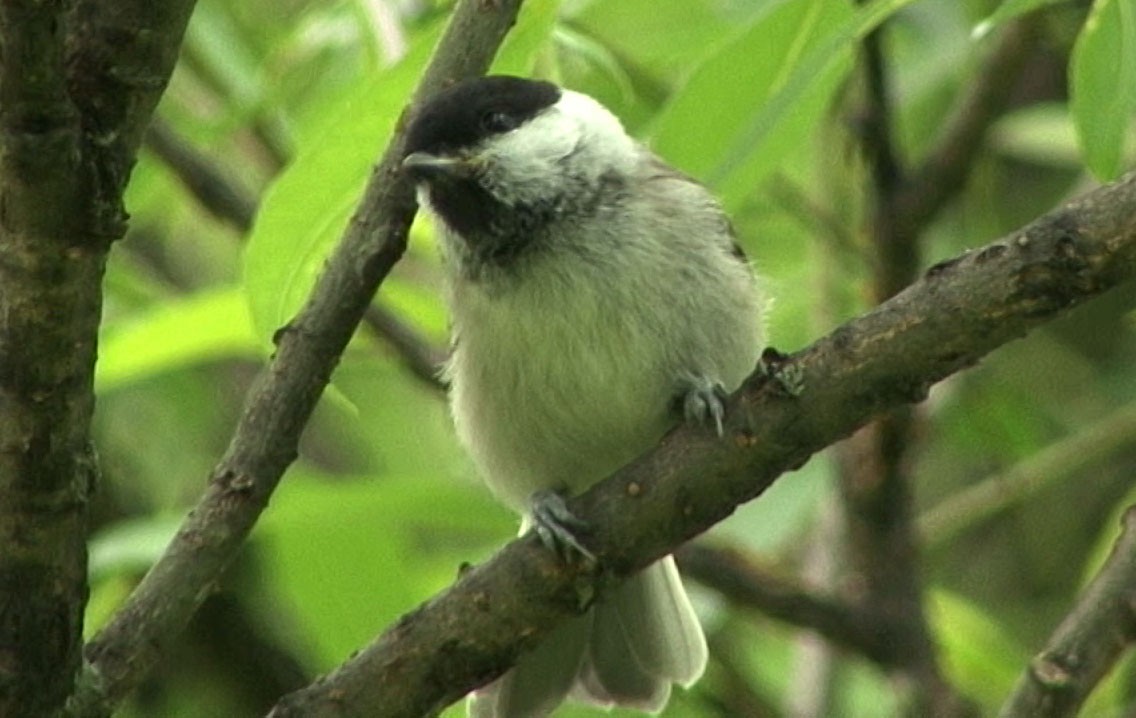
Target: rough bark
{"points": [[77, 85]]}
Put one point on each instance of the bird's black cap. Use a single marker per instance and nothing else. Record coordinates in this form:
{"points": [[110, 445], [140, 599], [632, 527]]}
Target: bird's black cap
{"points": [[468, 112]]}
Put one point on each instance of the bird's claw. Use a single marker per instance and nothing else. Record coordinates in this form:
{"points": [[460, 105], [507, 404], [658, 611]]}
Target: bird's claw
{"points": [[555, 525], [703, 402]]}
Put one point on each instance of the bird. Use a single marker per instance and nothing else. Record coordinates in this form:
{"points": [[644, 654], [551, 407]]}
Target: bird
{"points": [[597, 299]]}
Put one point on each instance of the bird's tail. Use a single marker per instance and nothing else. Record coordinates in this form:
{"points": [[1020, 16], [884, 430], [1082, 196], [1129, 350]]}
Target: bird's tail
{"points": [[627, 650]]}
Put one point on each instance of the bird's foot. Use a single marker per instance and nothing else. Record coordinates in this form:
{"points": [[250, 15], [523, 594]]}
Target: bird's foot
{"points": [[703, 401], [557, 526]]}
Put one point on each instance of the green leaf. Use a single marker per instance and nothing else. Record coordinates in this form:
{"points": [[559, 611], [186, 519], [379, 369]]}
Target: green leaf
{"points": [[528, 40], [1008, 11], [782, 72], [1103, 84], [350, 556], [307, 208], [698, 129], [1041, 133], [1113, 696], [131, 546], [661, 39], [224, 55], [783, 513], [1111, 529], [419, 304], [590, 51], [211, 324], [980, 658]]}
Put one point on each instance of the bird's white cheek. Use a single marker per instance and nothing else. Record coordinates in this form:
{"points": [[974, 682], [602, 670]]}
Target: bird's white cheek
{"points": [[546, 139], [526, 166]]}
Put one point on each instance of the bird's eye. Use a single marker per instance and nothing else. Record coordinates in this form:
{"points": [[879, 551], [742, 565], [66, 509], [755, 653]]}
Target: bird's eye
{"points": [[497, 121]]}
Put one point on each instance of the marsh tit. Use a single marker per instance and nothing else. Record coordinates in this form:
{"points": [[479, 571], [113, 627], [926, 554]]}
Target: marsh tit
{"points": [[597, 297]]}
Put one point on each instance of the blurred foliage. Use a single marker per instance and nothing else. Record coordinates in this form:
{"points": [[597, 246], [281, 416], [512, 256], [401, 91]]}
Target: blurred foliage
{"points": [[294, 100]]}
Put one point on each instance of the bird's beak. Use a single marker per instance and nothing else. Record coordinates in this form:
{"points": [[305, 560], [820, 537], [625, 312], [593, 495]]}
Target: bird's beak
{"points": [[424, 165]]}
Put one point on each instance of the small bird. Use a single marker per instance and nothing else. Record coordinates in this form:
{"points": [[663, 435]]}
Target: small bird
{"points": [[597, 297]]}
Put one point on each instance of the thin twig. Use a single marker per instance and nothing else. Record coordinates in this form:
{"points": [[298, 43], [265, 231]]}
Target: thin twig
{"points": [[873, 469], [1087, 643], [422, 359], [749, 586], [205, 180], [878, 127], [1108, 436], [267, 126], [816, 668], [896, 258], [942, 173], [283, 397]]}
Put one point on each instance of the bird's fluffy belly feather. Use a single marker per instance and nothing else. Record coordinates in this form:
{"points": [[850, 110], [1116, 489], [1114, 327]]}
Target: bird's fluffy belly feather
{"points": [[591, 401]]}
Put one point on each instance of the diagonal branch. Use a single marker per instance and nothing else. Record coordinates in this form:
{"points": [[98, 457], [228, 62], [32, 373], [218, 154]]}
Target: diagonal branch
{"points": [[211, 185], [1087, 643], [283, 397], [205, 181], [958, 312]]}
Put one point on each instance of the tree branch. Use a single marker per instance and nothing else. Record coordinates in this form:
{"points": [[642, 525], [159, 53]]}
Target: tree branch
{"points": [[49, 308], [1087, 643], [77, 82], [959, 311], [282, 398]]}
